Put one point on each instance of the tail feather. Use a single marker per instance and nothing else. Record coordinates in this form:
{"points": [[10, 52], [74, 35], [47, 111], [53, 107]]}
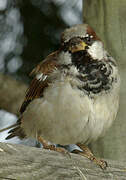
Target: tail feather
{"points": [[16, 131], [13, 130], [10, 136], [9, 127]]}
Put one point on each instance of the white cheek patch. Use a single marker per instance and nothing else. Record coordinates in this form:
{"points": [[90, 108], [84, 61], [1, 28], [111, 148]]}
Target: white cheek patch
{"points": [[73, 70], [96, 50], [65, 58]]}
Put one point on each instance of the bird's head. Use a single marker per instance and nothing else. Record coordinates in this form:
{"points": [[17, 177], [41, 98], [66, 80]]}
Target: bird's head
{"points": [[82, 38]]}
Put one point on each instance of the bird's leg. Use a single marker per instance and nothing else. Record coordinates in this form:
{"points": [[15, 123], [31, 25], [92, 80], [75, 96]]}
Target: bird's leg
{"points": [[51, 146], [87, 153]]}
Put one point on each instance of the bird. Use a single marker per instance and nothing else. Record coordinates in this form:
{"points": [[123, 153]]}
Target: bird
{"points": [[73, 97]]}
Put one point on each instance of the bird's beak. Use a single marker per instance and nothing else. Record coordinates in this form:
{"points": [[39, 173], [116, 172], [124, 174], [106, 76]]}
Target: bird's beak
{"points": [[78, 47]]}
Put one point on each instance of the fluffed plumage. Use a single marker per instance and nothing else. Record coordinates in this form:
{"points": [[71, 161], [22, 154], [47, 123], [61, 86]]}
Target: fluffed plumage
{"points": [[74, 95]]}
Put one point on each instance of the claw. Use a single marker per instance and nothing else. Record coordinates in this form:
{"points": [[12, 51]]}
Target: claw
{"points": [[52, 147], [87, 153]]}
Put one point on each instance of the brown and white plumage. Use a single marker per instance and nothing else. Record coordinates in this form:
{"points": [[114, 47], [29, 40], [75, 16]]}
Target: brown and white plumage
{"points": [[73, 97], [35, 90], [66, 102]]}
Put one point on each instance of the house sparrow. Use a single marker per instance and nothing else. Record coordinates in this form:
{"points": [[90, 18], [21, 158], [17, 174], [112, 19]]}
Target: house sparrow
{"points": [[74, 96]]}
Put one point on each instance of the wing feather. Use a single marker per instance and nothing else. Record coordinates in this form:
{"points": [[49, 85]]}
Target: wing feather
{"points": [[47, 66], [36, 88], [38, 85]]}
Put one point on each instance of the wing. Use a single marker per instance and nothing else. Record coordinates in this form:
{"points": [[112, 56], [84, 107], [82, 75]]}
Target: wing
{"points": [[46, 66], [36, 88], [40, 81]]}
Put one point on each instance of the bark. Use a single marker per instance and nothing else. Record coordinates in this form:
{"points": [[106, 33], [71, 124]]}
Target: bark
{"points": [[19, 162], [108, 19], [12, 93]]}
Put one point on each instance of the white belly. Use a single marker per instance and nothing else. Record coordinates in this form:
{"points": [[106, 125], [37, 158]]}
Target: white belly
{"points": [[66, 116]]}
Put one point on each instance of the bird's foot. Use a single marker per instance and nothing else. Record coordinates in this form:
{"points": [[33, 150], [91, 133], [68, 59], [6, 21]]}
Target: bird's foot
{"points": [[87, 153], [52, 147]]}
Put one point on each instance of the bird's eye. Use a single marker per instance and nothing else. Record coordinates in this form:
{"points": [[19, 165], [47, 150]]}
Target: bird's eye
{"points": [[65, 46], [88, 39]]}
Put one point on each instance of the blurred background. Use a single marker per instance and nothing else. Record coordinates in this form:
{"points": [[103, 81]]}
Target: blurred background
{"points": [[29, 31]]}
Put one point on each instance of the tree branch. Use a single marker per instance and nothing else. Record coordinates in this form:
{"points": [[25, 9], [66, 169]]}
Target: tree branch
{"points": [[22, 162]]}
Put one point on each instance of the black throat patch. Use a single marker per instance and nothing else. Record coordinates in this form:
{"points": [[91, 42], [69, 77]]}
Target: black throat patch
{"points": [[95, 75]]}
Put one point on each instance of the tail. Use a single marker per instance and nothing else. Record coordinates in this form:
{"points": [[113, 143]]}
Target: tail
{"points": [[16, 131], [9, 127]]}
